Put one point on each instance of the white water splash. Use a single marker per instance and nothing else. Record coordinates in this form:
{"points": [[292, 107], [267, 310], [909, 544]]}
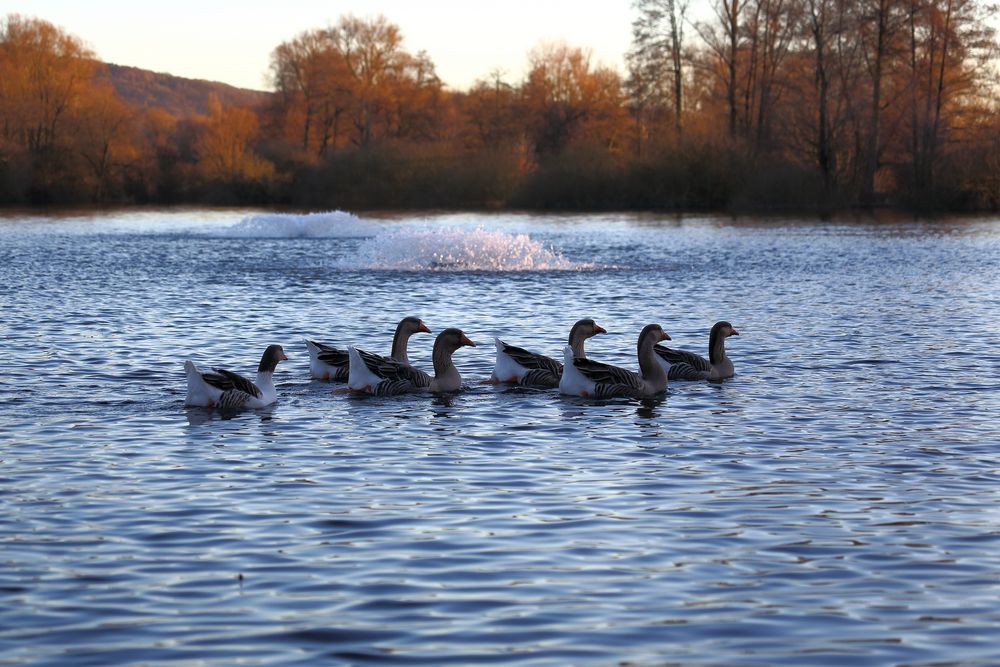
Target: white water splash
{"points": [[328, 224], [456, 249]]}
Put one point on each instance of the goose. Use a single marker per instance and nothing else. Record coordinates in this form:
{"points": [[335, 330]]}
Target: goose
{"points": [[584, 377], [517, 365], [682, 365], [327, 362], [386, 377], [231, 391]]}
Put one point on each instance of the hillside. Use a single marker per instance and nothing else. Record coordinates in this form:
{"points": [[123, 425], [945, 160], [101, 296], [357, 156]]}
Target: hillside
{"points": [[179, 96]]}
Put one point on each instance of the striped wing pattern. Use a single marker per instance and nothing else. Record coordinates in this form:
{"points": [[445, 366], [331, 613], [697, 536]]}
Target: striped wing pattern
{"points": [[331, 355], [229, 381], [542, 371], [392, 387], [684, 365], [336, 357], [236, 389], [609, 380], [390, 369], [540, 378]]}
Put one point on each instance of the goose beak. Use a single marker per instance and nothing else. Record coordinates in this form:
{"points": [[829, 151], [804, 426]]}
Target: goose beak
{"points": [[733, 332], [464, 340], [665, 336], [283, 357], [423, 328], [598, 329]]}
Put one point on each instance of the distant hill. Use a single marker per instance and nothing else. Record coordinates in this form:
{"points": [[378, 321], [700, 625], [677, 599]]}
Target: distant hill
{"points": [[181, 97]]}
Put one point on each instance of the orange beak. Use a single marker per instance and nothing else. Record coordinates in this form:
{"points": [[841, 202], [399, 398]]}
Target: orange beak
{"points": [[284, 357], [665, 336], [465, 341], [423, 327], [733, 332], [598, 329]]}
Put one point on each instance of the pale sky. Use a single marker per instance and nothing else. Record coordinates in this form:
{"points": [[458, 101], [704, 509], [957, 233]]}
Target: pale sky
{"points": [[232, 42]]}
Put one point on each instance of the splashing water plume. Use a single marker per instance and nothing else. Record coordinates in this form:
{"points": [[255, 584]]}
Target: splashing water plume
{"points": [[320, 225], [456, 249]]}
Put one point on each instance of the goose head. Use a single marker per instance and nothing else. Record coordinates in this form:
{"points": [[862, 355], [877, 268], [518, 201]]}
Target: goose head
{"points": [[724, 329], [651, 335], [411, 325], [580, 332], [269, 361], [450, 340], [585, 329], [406, 328], [717, 341]]}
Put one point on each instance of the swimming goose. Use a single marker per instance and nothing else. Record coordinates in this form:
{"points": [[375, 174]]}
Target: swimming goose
{"points": [[515, 364], [327, 362], [681, 365], [231, 391], [584, 377], [386, 377]]}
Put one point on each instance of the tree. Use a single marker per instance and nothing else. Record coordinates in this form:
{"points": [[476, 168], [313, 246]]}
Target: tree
{"points": [[723, 41], [490, 109], [374, 60], [566, 99], [949, 41], [105, 139], [771, 26], [44, 73], [879, 29], [356, 72], [656, 77], [311, 80], [225, 147]]}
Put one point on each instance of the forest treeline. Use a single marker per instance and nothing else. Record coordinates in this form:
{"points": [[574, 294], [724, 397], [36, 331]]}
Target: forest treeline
{"points": [[770, 104]]}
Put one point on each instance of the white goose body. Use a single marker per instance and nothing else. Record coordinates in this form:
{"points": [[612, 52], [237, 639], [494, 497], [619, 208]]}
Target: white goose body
{"points": [[593, 379], [517, 365], [327, 362], [372, 374], [227, 390], [683, 365]]}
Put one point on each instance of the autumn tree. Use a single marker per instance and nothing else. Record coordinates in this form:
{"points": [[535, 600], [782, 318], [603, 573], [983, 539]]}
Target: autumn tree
{"points": [[490, 109], [311, 81], [225, 148], [105, 138], [566, 98], [44, 73], [420, 108], [355, 83]]}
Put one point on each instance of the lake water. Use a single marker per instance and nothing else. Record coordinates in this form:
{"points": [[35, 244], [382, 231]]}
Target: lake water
{"points": [[837, 502]]}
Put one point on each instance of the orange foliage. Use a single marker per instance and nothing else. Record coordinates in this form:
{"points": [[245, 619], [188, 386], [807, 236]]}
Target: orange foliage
{"points": [[778, 103], [225, 147]]}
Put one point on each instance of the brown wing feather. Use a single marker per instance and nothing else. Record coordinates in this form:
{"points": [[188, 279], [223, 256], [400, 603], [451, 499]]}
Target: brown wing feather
{"points": [[606, 374], [390, 369], [531, 360], [231, 381], [331, 355], [696, 361]]}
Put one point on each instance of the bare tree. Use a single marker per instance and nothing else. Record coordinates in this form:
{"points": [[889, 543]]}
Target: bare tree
{"points": [[879, 28], [656, 58], [723, 41]]}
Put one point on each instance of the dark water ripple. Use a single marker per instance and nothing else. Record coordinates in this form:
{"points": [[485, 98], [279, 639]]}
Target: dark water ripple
{"points": [[834, 502]]}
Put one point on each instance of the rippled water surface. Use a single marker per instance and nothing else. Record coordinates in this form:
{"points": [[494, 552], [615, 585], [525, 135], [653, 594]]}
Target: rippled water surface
{"points": [[837, 502]]}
